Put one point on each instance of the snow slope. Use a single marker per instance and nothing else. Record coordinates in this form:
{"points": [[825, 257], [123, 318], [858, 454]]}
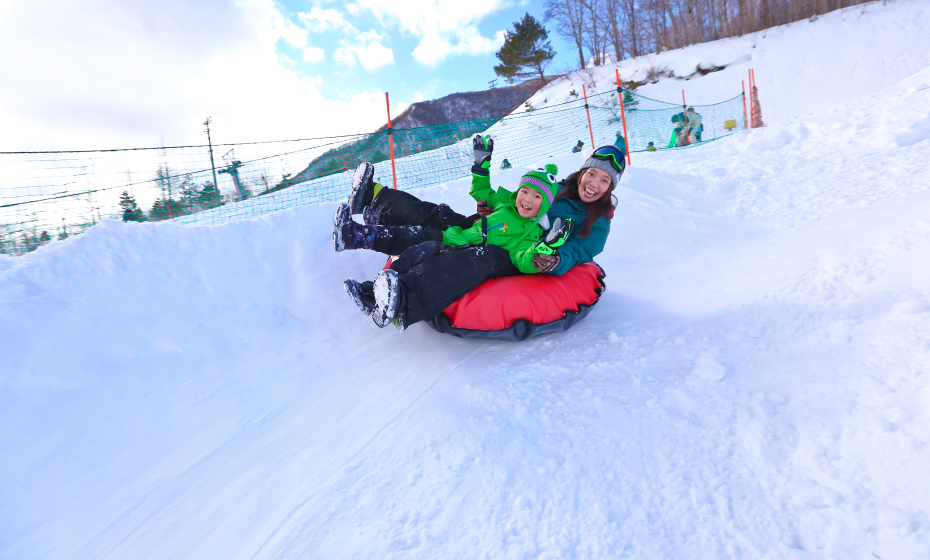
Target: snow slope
{"points": [[753, 384]]}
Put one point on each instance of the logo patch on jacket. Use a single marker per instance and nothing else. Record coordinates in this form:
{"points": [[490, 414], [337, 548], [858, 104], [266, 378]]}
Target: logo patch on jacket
{"points": [[503, 227]]}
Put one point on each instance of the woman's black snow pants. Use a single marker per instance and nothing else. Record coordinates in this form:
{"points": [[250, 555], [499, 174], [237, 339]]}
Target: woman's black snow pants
{"points": [[433, 275]]}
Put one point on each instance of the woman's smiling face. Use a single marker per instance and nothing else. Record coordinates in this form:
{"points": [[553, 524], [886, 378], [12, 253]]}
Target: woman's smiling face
{"points": [[593, 184]]}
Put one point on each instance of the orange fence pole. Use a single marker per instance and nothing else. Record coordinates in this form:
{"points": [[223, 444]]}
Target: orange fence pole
{"points": [[591, 130], [626, 143], [752, 98], [390, 132], [745, 113]]}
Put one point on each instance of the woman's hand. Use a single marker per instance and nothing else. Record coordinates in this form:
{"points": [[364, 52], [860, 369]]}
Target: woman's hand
{"points": [[483, 208], [545, 263]]}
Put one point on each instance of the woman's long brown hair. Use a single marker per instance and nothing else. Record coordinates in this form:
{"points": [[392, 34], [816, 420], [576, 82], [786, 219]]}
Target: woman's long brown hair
{"points": [[596, 210]]}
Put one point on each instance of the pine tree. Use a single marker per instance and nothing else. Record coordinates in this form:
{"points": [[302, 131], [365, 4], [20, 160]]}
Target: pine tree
{"points": [[526, 51], [131, 210], [629, 102], [209, 196], [164, 209]]}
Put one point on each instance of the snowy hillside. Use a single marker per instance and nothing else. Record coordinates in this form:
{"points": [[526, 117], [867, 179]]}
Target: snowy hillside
{"points": [[802, 67], [753, 384]]}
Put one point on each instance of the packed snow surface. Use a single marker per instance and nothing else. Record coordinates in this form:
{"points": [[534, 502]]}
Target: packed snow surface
{"points": [[754, 383]]}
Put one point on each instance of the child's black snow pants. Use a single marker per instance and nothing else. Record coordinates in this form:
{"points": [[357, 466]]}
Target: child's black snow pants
{"points": [[399, 208], [403, 220], [433, 275]]}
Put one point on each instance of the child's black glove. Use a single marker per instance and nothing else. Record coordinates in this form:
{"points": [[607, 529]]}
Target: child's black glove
{"points": [[482, 147], [554, 239]]}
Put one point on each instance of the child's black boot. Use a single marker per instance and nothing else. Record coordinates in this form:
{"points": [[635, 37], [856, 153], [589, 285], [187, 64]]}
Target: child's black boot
{"points": [[362, 293], [347, 234]]}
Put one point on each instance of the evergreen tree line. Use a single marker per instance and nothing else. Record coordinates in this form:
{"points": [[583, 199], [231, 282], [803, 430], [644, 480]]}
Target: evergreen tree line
{"points": [[606, 30], [179, 196]]}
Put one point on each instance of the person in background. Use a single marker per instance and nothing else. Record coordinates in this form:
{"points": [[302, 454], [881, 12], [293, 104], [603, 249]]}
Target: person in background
{"points": [[695, 127], [578, 147], [620, 143], [505, 164], [678, 133], [651, 147]]}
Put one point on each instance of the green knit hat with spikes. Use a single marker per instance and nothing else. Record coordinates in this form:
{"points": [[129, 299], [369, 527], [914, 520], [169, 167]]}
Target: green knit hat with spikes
{"points": [[542, 180]]}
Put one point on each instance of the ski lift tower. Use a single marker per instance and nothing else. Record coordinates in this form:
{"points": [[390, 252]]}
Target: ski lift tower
{"points": [[232, 167]]}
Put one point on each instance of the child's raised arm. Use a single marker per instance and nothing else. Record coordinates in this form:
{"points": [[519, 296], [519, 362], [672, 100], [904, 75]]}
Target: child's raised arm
{"points": [[480, 171]]}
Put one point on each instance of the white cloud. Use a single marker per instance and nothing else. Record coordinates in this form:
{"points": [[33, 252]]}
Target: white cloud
{"points": [[436, 47], [319, 20], [293, 34], [444, 27], [110, 73], [375, 56], [313, 55], [365, 48], [345, 57]]}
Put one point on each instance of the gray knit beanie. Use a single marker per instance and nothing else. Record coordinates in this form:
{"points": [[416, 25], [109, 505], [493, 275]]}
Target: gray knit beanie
{"points": [[601, 159]]}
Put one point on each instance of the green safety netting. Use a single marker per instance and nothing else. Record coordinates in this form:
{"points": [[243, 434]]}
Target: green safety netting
{"points": [[53, 195]]}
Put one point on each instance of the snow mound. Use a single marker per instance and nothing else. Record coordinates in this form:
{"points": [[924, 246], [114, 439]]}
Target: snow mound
{"points": [[752, 384]]}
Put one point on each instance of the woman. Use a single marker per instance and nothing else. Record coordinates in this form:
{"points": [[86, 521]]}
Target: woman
{"points": [[585, 197]]}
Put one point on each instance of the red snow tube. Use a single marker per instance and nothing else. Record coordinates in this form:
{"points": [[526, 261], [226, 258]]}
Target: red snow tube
{"points": [[520, 307]]}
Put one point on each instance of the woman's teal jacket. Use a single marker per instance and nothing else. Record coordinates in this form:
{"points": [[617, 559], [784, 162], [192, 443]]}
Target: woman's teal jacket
{"points": [[577, 250]]}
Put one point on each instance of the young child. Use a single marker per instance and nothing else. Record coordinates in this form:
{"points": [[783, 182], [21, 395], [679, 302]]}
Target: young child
{"points": [[435, 266]]}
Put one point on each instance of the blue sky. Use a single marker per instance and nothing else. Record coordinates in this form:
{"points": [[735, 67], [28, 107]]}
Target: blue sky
{"points": [[399, 47], [137, 73]]}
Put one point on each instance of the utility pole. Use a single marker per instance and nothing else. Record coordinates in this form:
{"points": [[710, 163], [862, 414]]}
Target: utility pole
{"points": [[206, 125]]}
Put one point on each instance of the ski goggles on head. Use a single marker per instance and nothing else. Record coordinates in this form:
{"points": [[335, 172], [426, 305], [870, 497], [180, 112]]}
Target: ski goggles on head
{"points": [[610, 159]]}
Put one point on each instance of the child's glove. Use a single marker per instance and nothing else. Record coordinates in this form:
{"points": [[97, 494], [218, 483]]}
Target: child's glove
{"points": [[554, 239], [482, 147], [545, 263], [483, 208]]}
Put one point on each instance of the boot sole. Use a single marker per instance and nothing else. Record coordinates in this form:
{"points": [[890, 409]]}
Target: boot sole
{"points": [[339, 220], [386, 285], [361, 179]]}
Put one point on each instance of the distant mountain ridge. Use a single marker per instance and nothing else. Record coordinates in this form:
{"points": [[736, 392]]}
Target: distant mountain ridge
{"points": [[464, 113], [468, 106]]}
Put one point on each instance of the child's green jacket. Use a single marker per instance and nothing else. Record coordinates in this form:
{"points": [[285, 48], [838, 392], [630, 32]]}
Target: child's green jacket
{"points": [[506, 228]]}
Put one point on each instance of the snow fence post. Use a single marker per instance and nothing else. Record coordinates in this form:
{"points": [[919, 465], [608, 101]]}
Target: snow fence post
{"points": [[591, 130], [745, 113], [626, 143], [755, 108], [390, 132]]}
